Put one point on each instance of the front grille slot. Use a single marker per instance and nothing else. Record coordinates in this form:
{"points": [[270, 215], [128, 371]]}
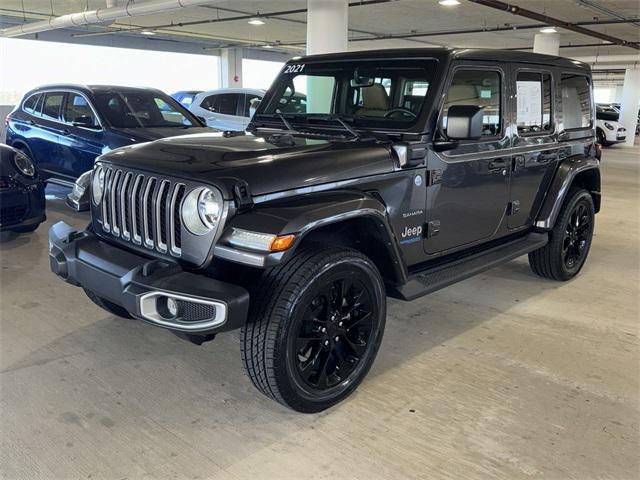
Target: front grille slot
{"points": [[143, 210]]}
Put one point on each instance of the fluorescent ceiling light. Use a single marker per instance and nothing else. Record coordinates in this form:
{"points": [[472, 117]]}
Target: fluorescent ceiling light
{"points": [[548, 30], [256, 21], [449, 3], [147, 32]]}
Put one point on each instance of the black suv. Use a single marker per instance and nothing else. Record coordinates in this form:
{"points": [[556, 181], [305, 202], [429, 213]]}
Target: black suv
{"points": [[407, 171]]}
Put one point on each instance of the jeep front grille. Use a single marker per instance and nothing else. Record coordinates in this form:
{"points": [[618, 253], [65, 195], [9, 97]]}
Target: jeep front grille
{"points": [[143, 209]]}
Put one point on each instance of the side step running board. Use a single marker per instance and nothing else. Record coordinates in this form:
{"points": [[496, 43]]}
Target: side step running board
{"points": [[435, 278]]}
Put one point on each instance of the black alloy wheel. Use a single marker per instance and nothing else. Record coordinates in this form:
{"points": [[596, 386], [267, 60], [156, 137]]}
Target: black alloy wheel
{"points": [[334, 334], [314, 328], [577, 236]]}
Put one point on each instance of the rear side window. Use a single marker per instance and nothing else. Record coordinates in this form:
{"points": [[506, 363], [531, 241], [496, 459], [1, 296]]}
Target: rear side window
{"points": [[576, 101], [211, 103], [51, 106], [247, 102], [534, 103], [479, 88], [30, 104]]}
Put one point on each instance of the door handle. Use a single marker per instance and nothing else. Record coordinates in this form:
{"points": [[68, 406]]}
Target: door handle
{"points": [[66, 132], [31, 122], [497, 165]]}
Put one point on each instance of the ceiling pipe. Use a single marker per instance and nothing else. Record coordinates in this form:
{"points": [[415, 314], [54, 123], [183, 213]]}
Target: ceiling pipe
{"points": [[523, 12], [102, 15]]}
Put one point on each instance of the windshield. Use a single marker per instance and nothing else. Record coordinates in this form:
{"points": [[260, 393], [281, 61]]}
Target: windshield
{"points": [[379, 94], [141, 110]]}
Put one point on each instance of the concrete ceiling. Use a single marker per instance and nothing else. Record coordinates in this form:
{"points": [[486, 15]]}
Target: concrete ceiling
{"points": [[427, 22]]}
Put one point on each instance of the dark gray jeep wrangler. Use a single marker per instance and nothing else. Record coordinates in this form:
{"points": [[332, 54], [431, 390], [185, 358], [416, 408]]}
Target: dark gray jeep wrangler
{"points": [[361, 175]]}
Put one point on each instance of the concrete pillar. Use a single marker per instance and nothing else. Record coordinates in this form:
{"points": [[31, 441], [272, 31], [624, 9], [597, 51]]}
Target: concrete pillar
{"points": [[327, 26], [231, 68], [547, 43], [630, 103], [327, 32]]}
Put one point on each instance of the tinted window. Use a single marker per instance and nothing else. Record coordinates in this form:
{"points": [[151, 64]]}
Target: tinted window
{"points": [[51, 106], [534, 102], [229, 103], [576, 101], [247, 102], [75, 107], [30, 104], [140, 110], [478, 88], [211, 103]]}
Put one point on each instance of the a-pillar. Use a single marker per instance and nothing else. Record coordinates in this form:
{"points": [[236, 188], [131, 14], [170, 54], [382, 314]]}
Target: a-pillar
{"points": [[630, 103], [231, 68], [547, 43]]}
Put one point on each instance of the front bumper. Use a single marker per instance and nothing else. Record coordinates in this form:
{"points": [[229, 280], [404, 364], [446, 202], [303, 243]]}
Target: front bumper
{"points": [[136, 283], [22, 207]]}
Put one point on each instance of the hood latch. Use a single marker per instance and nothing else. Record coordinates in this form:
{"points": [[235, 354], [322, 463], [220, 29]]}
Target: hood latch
{"points": [[242, 195]]}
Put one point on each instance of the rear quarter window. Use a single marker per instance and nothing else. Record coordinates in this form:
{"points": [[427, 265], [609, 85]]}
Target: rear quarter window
{"points": [[29, 106], [576, 101]]}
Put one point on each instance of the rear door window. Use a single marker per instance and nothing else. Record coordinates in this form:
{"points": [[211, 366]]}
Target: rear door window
{"points": [[576, 101], [478, 88], [249, 97], [31, 103], [534, 103], [229, 103], [52, 105]]}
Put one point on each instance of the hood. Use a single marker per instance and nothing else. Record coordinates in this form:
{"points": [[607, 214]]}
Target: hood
{"points": [[266, 163], [138, 135]]}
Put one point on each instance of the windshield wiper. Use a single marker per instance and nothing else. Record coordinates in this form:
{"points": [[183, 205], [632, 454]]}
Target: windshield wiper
{"points": [[346, 126], [286, 123]]}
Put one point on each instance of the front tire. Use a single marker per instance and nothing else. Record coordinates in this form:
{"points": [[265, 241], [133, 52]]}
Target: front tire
{"points": [[314, 328], [570, 240]]}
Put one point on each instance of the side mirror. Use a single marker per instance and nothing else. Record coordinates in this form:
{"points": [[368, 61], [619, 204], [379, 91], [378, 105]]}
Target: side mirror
{"points": [[464, 122], [84, 121]]}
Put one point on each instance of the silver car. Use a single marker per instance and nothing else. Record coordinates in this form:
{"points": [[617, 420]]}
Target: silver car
{"points": [[227, 108]]}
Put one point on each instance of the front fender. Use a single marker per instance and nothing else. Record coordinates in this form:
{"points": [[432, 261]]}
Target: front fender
{"points": [[568, 172], [300, 216]]}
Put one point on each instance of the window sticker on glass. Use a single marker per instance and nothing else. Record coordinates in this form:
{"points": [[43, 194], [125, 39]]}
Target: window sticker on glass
{"points": [[529, 102], [485, 93], [294, 68]]}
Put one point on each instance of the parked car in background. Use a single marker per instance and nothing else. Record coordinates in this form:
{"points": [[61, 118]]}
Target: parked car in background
{"points": [[22, 204], [185, 97], [63, 128], [226, 109], [608, 129]]}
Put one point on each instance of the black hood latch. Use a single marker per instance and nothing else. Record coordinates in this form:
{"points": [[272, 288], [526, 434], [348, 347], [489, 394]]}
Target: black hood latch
{"points": [[242, 195]]}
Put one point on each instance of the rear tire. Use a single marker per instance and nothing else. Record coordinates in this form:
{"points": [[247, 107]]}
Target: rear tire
{"points": [[314, 328], [570, 240], [105, 304]]}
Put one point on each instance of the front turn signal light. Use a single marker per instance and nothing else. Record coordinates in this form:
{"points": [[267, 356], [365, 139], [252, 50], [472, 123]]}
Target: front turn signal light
{"points": [[281, 243]]}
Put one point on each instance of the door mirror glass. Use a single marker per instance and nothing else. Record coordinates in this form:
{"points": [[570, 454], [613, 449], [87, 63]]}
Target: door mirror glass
{"points": [[465, 122]]}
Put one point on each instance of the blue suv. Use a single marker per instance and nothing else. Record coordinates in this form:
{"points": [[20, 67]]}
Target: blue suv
{"points": [[63, 128]]}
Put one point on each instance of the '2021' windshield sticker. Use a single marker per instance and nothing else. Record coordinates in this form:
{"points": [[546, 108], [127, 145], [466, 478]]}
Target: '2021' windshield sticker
{"points": [[294, 68]]}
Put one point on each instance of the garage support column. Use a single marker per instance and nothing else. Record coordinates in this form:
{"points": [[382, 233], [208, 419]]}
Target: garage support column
{"points": [[231, 68], [327, 31], [547, 43], [327, 26], [630, 102]]}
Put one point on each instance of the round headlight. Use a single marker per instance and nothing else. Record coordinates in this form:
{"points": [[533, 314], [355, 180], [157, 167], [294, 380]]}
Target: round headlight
{"points": [[24, 165], [202, 210], [97, 185]]}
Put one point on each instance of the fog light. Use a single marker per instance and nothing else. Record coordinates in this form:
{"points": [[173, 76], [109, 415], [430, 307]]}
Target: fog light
{"points": [[168, 307], [172, 306]]}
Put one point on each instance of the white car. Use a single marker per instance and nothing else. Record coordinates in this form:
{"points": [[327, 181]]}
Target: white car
{"points": [[610, 132], [227, 108]]}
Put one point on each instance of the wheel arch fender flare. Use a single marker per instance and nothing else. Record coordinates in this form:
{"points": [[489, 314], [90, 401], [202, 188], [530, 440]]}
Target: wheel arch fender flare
{"points": [[580, 170], [317, 216]]}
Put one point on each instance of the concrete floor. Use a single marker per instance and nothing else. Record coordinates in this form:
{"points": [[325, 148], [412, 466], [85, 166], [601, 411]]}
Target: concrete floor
{"points": [[505, 376]]}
